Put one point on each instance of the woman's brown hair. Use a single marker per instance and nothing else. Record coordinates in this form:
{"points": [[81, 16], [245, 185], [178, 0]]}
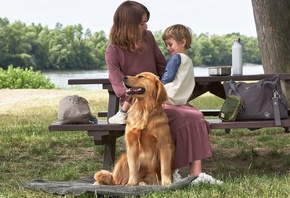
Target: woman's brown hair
{"points": [[125, 31]]}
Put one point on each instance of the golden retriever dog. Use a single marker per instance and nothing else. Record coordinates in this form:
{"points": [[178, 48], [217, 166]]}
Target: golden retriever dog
{"points": [[149, 144]]}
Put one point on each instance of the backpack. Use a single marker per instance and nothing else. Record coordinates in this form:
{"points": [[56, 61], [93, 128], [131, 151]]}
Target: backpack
{"points": [[74, 110]]}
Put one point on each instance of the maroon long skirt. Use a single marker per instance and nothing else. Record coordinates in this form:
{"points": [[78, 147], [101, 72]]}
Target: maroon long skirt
{"points": [[190, 132]]}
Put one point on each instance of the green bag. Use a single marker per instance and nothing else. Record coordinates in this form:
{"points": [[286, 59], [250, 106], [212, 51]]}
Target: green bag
{"points": [[231, 107]]}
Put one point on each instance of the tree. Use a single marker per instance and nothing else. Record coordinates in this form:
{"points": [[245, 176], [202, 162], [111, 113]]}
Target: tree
{"points": [[273, 27], [206, 49], [223, 46], [71, 47]]}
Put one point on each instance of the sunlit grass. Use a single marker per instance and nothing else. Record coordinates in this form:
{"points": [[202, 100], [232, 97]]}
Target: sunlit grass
{"points": [[251, 163]]}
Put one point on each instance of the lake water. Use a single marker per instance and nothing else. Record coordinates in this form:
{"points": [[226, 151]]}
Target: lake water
{"points": [[59, 78]]}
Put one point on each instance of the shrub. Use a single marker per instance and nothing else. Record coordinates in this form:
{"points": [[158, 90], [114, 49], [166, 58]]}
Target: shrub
{"points": [[18, 78]]}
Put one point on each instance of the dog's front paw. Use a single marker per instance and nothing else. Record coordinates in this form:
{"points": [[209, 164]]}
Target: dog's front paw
{"points": [[142, 183], [166, 182], [131, 184]]}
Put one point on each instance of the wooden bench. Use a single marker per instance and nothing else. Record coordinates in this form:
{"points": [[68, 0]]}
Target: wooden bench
{"points": [[107, 134]]}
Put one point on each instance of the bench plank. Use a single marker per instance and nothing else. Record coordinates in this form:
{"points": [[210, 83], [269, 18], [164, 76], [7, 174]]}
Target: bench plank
{"points": [[101, 126], [250, 124], [214, 124]]}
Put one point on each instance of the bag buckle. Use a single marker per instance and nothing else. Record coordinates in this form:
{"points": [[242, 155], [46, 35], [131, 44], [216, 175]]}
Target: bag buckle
{"points": [[276, 94]]}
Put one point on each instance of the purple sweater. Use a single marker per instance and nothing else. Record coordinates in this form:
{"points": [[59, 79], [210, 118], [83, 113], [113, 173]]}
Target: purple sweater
{"points": [[121, 63]]}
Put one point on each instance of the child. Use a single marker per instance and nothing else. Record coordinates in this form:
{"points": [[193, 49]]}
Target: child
{"points": [[178, 78]]}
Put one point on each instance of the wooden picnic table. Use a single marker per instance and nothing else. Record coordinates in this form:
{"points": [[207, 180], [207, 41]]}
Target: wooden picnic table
{"points": [[212, 84], [106, 134]]}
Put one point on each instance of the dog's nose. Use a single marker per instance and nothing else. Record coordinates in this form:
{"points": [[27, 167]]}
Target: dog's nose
{"points": [[125, 78]]}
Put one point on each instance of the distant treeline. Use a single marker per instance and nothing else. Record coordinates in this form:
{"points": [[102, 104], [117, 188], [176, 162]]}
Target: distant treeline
{"points": [[72, 47]]}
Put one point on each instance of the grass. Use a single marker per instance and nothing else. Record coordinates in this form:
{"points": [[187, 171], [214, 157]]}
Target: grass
{"points": [[251, 163]]}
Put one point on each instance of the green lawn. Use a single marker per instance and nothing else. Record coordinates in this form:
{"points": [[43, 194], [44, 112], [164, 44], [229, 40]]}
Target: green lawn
{"points": [[251, 163]]}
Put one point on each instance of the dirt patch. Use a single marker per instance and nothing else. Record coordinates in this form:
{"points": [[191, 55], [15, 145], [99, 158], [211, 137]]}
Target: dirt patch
{"points": [[8, 96]]}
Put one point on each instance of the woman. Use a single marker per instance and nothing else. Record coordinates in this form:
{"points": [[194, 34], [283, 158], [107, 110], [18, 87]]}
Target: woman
{"points": [[133, 50]]}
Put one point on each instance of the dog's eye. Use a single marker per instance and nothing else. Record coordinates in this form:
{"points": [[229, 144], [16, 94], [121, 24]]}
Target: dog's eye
{"points": [[140, 76]]}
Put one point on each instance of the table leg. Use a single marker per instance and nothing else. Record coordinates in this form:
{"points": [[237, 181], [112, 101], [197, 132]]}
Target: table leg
{"points": [[113, 105], [110, 149]]}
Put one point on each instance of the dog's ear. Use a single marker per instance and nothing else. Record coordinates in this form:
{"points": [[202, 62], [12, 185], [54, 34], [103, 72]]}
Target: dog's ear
{"points": [[161, 92]]}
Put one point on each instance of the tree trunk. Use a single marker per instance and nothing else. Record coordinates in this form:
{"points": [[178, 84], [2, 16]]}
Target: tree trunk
{"points": [[272, 20]]}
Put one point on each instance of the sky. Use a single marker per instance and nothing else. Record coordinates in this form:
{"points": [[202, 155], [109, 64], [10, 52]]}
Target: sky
{"points": [[202, 16]]}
